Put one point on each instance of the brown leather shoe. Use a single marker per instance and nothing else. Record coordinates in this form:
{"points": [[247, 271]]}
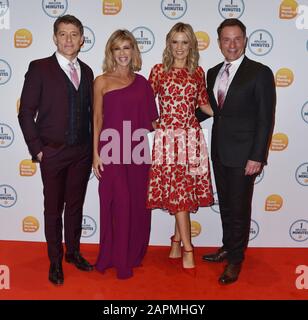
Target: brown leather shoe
{"points": [[218, 256], [230, 273]]}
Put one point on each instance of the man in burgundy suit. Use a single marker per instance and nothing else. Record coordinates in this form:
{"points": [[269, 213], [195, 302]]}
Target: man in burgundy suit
{"points": [[243, 96], [55, 118]]}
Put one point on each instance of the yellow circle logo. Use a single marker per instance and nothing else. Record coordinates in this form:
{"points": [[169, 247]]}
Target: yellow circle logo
{"points": [[279, 142], [195, 228], [22, 38], [203, 40], [284, 77], [288, 9], [112, 7], [30, 224], [27, 168], [273, 202]]}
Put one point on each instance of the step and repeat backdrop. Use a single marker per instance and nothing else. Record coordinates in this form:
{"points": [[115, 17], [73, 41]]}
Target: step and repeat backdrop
{"points": [[277, 36]]}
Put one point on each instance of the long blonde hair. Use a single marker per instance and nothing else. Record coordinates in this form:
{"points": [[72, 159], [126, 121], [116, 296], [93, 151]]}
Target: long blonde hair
{"points": [[120, 35], [193, 55]]}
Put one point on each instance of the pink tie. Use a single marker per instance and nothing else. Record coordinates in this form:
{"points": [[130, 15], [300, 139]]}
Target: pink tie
{"points": [[222, 86], [74, 75]]}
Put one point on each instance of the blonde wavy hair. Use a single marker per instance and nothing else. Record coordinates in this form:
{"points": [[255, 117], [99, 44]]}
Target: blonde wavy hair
{"points": [[120, 35], [193, 55]]}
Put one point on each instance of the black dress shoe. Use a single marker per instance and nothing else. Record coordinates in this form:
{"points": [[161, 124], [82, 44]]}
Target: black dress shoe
{"points": [[218, 256], [79, 261], [56, 273], [230, 273]]}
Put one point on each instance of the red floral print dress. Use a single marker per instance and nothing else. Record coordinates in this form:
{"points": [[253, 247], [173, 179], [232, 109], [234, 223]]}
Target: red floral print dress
{"points": [[180, 172]]}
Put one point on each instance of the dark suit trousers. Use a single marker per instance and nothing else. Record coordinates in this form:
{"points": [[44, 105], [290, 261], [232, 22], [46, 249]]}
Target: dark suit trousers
{"points": [[65, 173], [234, 191]]}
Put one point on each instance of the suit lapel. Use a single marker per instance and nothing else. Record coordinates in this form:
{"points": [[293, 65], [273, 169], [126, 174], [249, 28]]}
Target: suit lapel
{"points": [[237, 79], [212, 75]]}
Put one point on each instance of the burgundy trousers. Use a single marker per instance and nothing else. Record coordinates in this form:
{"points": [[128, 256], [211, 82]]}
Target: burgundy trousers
{"points": [[65, 174]]}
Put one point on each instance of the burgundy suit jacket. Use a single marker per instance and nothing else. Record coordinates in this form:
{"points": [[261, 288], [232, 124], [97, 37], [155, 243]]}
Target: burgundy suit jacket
{"points": [[44, 103]]}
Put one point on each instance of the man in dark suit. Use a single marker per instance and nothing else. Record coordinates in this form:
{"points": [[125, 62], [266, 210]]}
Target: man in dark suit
{"points": [[242, 95], [55, 118]]}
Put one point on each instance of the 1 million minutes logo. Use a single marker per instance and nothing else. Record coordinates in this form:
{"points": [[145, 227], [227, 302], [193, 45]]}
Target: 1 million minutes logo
{"points": [[88, 227], [6, 135], [145, 38], [305, 112], [55, 8], [259, 177], [89, 39], [260, 42], [215, 205], [299, 230], [254, 230], [301, 174], [231, 8], [174, 9], [8, 196], [5, 72]]}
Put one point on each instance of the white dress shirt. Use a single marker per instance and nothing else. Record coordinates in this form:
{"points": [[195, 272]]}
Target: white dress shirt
{"points": [[64, 64]]}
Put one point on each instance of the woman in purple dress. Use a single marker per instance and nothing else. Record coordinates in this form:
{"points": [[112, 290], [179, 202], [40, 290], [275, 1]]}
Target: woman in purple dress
{"points": [[124, 110]]}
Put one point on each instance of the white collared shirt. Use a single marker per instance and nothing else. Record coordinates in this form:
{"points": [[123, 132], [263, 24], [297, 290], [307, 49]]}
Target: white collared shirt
{"points": [[232, 71], [63, 62]]}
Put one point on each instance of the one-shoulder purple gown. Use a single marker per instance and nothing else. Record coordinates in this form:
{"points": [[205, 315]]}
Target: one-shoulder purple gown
{"points": [[124, 220]]}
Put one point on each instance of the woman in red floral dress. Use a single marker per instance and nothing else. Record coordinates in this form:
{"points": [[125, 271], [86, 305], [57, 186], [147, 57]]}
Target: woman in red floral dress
{"points": [[180, 174]]}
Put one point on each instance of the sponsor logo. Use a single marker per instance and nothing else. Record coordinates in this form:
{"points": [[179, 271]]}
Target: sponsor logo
{"points": [[54, 8], [88, 227], [305, 112], [112, 7], [254, 230], [30, 224], [301, 174], [215, 205], [195, 228], [175, 9], [89, 39], [299, 230], [273, 202], [5, 72], [288, 9], [203, 40], [145, 38], [22, 38], [27, 168], [6, 135], [259, 177], [279, 142], [284, 77], [260, 42], [231, 8], [8, 196]]}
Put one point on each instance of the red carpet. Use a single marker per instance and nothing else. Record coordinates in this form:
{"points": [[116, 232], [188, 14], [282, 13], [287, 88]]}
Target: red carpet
{"points": [[268, 274]]}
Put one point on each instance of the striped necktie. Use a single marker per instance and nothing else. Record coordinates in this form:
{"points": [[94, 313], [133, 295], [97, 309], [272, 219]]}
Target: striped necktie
{"points": [[222, 86]]}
